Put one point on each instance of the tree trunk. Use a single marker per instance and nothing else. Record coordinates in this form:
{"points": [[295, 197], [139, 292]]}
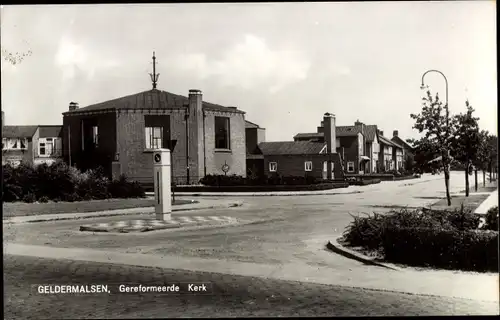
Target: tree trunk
{"points": [[467, 180], [484, 178], [446, 168], [490, 167], [475, 178]]}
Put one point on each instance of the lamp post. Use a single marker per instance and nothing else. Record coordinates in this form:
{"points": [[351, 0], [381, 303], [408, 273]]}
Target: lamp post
{"points": [[446, 97], [447, 155], [446, 100]]}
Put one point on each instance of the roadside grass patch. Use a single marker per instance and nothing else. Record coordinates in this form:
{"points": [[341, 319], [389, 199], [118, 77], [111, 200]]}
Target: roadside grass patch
{"points": [[448, 239], [17, 209]]}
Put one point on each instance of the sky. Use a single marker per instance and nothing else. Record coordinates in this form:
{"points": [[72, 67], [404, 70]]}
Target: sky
{"points": [[284, 64]]}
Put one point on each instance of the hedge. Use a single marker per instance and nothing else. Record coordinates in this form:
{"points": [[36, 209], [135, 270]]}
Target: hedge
{"points": [[263, 188], [235, 180], [472, 250], [364, 182], [491, 220], [60, 182], [426, 237]]}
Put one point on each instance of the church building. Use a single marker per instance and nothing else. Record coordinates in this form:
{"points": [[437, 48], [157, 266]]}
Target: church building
{"points": [[120, 135]]}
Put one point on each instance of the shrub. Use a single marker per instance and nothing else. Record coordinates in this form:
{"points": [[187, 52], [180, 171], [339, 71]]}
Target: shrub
{"points": [[122, 188], [29, 198], [11, 190], [275, 179], [491, 220], [72, 197], [369, 231], [43, 199], [92, 185], [426, 237], [62, 182], [450, 249]]}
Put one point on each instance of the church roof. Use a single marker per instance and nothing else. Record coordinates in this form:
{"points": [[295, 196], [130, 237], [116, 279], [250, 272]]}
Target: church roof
{"points": [[150, 99]]}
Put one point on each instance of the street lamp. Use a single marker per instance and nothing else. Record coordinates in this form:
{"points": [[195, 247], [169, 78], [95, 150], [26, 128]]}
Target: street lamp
{"points": [[447, 154], [423, 86], [446, 97]]}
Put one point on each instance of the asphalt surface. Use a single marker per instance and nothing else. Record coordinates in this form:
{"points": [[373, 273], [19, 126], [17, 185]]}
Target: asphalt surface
{"points": [[231, 296], [271, 230]]}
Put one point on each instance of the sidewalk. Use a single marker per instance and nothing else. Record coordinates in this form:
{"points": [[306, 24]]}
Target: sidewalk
{"points": [[490, 202], [202, 204], [474, 286]]}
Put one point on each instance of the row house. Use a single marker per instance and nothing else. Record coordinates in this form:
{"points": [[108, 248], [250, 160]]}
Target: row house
{"points": [[354, 149], [31, 144], [408, 151], [391, 156], [362, 148], [318, 159], [120, 136]]}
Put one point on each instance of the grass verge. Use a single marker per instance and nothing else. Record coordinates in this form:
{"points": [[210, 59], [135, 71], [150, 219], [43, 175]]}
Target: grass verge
{"points": [[17, 209]]}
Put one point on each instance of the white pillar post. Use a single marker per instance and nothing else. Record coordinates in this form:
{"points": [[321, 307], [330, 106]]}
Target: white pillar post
{"points": [[162, 185]]}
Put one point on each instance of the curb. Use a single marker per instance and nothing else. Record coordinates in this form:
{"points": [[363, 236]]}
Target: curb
{"points": [[148, 210], [250, 194], [350, 254]]}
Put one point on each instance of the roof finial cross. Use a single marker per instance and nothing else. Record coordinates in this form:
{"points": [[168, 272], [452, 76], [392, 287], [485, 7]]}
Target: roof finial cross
{"points": [[154, 75]]}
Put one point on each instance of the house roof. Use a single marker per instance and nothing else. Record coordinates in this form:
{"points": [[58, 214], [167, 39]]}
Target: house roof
{"points": [[150, 99], [18, 131], [50, 131], [290, 147], [311, 135], [401, 142], [389, 142], [370, 132], [339, 132], [249, 124]]}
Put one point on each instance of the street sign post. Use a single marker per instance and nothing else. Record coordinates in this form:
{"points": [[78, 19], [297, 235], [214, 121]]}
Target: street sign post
{"points": [[225, 168], [162, 186]]}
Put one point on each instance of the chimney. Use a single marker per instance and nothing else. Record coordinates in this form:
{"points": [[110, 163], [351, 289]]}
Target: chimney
{"points": [[3, 119], [360, 126], [395, 133], [195, 149], [73, 106], [331, 140], [380, 132], [329, 132]]}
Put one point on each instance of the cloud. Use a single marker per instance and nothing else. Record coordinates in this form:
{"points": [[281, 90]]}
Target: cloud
{"points": [[248, 64], [74, 58]]}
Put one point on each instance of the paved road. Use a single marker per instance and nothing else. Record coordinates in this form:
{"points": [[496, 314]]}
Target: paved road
{"points": [[284, 229], [232, 296], [274, 231]]}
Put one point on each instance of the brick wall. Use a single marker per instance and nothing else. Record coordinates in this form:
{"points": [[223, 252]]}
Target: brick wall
{"points": [[123, 132], [236, 157], [135, 160], [293, 165]]}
